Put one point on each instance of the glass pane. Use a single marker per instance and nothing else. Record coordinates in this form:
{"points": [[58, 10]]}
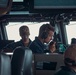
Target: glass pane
{"points": [[71, 31], [13, 29]]}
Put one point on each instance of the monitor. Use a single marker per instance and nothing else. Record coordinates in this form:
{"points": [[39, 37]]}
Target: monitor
{"points": [[52, 5], [3, 3], [20, 5]]}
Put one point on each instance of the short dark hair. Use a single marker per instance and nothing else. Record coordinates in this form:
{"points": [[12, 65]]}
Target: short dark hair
{"points": [[73, 41], [24, 30], [46, 28]]}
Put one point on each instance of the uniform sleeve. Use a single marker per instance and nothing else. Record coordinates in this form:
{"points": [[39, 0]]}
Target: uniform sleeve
{"points": [[36, 48], [10, 46]]}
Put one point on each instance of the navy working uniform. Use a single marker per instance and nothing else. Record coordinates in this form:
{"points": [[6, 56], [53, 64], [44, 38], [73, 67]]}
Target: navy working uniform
{"points": [[65, 71], [69, 61], [41, 43], [13, 45], [38, 47]]}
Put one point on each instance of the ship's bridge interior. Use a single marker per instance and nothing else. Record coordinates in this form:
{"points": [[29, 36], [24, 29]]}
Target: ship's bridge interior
{"points": [[58, 13]]}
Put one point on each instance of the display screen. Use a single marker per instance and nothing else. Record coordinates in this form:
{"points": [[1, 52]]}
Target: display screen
{"points": [[53, 4], [3, 3]]}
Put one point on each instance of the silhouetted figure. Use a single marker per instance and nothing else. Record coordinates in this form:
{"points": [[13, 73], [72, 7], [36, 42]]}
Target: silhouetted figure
{"points": [[24, 42], [70, 62], [46, 33], [73, 41]]}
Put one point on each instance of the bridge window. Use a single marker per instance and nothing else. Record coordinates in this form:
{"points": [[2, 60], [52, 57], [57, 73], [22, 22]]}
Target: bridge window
{"points": [[71, 31], [13, 29]]}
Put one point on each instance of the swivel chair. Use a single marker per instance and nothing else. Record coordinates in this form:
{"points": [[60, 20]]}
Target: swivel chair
{"points": [[21, 62], [5, 64]]}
